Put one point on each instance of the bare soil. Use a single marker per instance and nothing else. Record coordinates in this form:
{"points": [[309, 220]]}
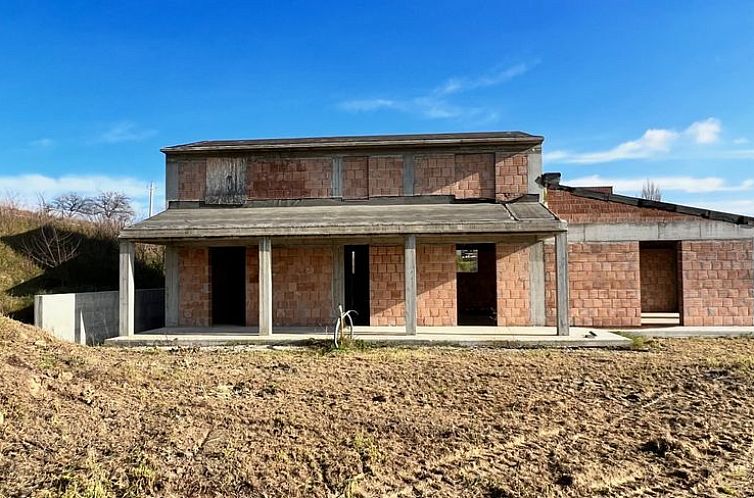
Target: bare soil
{"points": [[674, 420]]}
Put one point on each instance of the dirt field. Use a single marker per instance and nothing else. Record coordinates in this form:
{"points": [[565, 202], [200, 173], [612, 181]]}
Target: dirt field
{"points": [[677, 420]]}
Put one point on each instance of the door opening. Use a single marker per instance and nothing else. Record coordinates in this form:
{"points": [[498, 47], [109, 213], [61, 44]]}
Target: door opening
{"points": [[228, 270], [356, 273], [659, 283], [476, 283]]}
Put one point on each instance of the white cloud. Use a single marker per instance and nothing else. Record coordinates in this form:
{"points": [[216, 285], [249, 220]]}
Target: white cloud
{"points": [[687, 184], [27, 188], [42, 143], [125, 131], [436, 104], [740, 140], [652, 143], [655, 142], [706, 131], [740, 206]]}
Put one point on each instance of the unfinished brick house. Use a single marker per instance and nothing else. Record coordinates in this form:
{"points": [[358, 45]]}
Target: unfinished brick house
{"points": [[420, 231]]}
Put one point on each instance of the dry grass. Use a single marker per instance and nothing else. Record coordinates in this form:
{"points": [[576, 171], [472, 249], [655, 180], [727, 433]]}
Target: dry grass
{"points": [[677, 420]]}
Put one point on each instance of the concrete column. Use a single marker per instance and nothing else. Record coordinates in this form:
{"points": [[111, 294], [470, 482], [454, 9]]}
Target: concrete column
{"points": [[126, 289], [265, 286], [338, 278], [561, 282], [171, 286], [409, 166], [409, 258], [537, 284]]}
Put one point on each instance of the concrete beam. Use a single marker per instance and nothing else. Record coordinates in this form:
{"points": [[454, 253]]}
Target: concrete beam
{"points": [[409, 258], [265, 286], [561, 282], [537, 284], [172, 288], [671, 231], [126, 289]]}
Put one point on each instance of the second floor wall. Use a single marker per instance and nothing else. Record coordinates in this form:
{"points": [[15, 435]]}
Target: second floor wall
{"points": [[237, 179]]}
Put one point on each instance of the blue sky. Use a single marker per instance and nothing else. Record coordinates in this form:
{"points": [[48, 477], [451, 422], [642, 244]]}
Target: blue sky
{"points": [[622, 90]]}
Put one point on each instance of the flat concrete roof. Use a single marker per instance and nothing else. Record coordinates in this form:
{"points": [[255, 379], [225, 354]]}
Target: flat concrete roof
{"points": [[355, 142], [345, 220]]}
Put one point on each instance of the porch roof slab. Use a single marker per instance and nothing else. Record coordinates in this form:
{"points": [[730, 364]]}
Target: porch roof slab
{"points": [[360, 220]]}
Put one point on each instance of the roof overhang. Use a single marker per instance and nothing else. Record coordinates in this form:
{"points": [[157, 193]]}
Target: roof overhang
{"points": [[344, 221], [507, 139]]}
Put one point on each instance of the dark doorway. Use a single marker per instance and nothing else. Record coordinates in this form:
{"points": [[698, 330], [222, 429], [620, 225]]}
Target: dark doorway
{"points": [[356, 274], [228, 270], [476, 281], [659, 283]]}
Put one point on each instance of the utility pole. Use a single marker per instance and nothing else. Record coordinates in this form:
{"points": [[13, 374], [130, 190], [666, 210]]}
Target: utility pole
{"points": [[151, 193]]}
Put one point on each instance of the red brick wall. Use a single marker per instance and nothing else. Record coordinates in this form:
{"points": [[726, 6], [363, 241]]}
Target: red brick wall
{"points": [[575, 209], [385, 176], [717, 283], [511, 176], [434, 174], [289, 178], [436, 284], [604, 284], [659, 279], [194, 288], [252, 286], [386, 285], [462, 175], [302, 286], [355, 177], [474, 176], [513, 297], [191, 179]]}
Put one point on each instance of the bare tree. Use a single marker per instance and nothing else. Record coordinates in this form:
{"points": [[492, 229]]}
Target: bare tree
{"points": [[651, 191], [49, 246], [113, 207], [72, 204]]}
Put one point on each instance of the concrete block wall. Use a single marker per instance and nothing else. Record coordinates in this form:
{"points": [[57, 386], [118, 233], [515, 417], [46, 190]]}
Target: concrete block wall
{"points": [[194, 287], [604, 284], [436, 284], [387, 285], [302, 286], [659, 279], [462, 175], [91, 317], [308, 178], [717, 281], [434, 174], [513, 296]]}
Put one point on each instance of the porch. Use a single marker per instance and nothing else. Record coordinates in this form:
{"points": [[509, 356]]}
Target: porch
{"points": [[262, 236]]}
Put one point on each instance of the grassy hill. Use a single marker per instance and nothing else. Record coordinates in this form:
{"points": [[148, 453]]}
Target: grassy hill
{"points": [[93, 267], [86, 422]]}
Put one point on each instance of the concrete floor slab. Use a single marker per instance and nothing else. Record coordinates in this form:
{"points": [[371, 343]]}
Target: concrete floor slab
{"points": [[682, 332], [454, 336]]}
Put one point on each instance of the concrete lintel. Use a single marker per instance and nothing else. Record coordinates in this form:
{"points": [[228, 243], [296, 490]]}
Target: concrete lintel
{"points": [[126, 289], [561, 283], [409, 259], [265, 286]]}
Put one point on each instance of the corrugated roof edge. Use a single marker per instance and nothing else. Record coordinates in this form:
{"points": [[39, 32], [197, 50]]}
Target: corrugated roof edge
{"points": [[552, 181], [345, 142]]}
